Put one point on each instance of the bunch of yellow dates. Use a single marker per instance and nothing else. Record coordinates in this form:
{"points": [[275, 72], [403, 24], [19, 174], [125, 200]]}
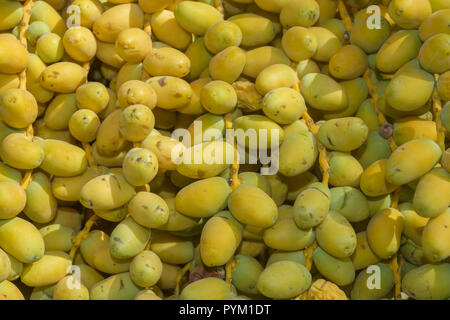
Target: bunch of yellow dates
{"points": [[100, 200]]}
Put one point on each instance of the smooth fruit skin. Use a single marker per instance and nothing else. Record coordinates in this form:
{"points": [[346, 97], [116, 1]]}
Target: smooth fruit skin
{"points": [[365, 288], [428, 282], [207, 289], [435, 238], [384, 231], [401, 168], [323, 93], [428, 203], [53, 266], [196, 17], [339, 271], [116, 287]]}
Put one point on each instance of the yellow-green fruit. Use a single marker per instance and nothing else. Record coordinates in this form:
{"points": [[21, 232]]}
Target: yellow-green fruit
{"points": [[228, 64], [384, 232], [133, 44], [339, 271], [206, 128], [343, 134], [53, 266], [139, 166], [409, 14], [220, 237], [411, 128], [373, 283], [49, 47], [11, 14], [25, 249], [434, 24], [363, 255], [59, 111], [63, 77], [398, 49], [171, 92], [366, 111], [12, 199], [443, 88], [68, 217], [176, 221], [199, 57], [105, 262], [428, 202], [349, 62], [116, 287], [285, 235], [256, 30], [136, 122], [63, 159], [93, 96], [196, 17], [110, 141], [345, 170], [166, 28], [106, 53], [69, 188], [204, 160], [445, 116], [311, 206], [84, 124], [338, 28], [222, 35], [43, 11], [41, 204], [128, 239], [369, 39], [299, 43], [136, 92], [250, 205], [147, 295], [263, 126], [295, 256], [8, 291], [303, 13], [148, 209], [194, 106], [18, 108], [262, 57], [375, 148], [151, 6], [21, 152], [413, 222], [8, 174], [245, 273], [413, 253], [306, 66], [323, 93], [436, 238], [167, 62], [20, 61], [271, 5], [128, 71], [401, 168], [203, 198], [171, 249], [57, 237], [420, 86], [163, 147], [89, 276], [16, 268], [8, 81], [118, 18], [91, 245], [68, 288], [257, 180], [433, 55], [336, 236], [218, 97], [5, 266], [113, 215], [106, 192], [146, 269], [275, 76], [327, 44], [90, 11], [35, 30], [207, 289], [373, 180], [296, 184], [428, 282], [284, 280], [349, 202]]}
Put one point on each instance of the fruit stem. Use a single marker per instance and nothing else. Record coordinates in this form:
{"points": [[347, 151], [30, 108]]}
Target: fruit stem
{"points": [[308, 252], [345, 15], [180, 276], [82, 234], [228, 268], [437, 109], [90, 158], [235, 166], [219, 6]]}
